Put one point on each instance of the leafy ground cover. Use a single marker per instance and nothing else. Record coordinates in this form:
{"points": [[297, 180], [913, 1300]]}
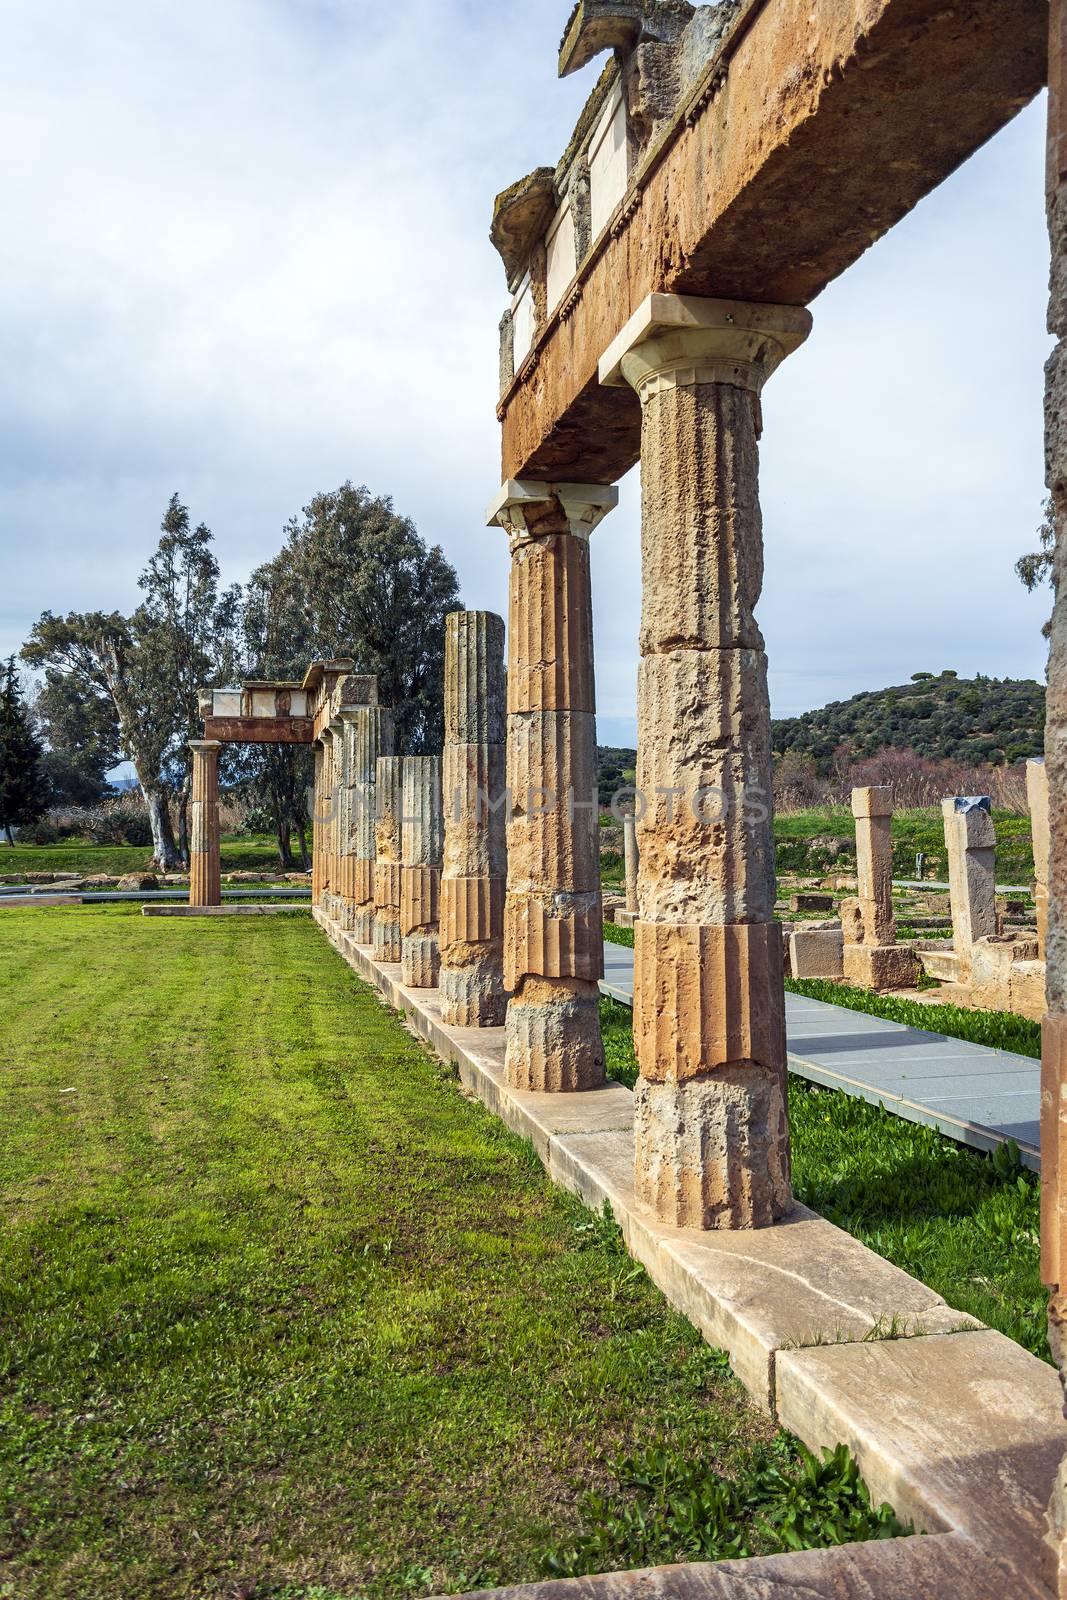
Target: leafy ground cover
{"points": [[963, 1222], [243, 853], [283, 1314]]}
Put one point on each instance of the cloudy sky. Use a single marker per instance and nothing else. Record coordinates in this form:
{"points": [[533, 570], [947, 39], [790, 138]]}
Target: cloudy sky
{"points": [[244, 256]]}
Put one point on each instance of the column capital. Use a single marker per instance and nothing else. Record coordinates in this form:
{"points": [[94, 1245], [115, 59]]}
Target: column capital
{"points": [[583, 504], [205, 744], [674, 340]]}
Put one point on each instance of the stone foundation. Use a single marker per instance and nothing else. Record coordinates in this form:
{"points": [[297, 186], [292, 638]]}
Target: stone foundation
{"points": [[881, 967], [713, 1152]]}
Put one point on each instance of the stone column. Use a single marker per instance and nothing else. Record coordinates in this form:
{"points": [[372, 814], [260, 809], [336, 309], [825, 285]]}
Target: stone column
{"points": [[1037, 798], [422, 830], [630, 860], [471, 979], [205, 888], [336, 894], [553, 914], [368, 734], [387, 850], [317, 823], [1054, 1027], [970, 842], [710, 1119], [872, 958]]}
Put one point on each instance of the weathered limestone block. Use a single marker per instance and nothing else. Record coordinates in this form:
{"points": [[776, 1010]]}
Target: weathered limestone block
{"points": [[706, 996], [552, 830], [422, 844], [816, 953], [1037, 797], [714, 1150], [881, 967], [205, 880], [970, 841], [553, 923], [387, 865], [711, 1131], [471, 978]]}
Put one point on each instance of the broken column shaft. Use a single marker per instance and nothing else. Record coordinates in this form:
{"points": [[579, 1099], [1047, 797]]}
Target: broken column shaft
{"points": [[872, 957], [387, 863], [205, 868], [368, 734], [1037, 799], [420, 877], [553, 917], [970, 843], [711, 1129], [471, 978]]}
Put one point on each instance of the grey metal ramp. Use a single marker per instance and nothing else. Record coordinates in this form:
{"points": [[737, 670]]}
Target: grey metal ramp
{"points": [[980, 1096]]}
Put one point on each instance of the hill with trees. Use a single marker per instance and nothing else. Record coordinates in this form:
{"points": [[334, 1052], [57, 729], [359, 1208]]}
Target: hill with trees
{"points": [[937, 715]]}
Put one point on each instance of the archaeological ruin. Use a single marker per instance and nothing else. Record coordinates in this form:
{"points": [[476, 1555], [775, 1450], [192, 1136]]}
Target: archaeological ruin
{"points": [[731, 161]]}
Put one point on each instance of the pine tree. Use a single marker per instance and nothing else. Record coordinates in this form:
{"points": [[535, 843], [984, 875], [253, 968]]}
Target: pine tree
{"points": [[23, 788]]}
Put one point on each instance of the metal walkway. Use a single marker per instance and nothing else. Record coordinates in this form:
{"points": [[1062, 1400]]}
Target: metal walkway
{"points": [[981, 1097]]}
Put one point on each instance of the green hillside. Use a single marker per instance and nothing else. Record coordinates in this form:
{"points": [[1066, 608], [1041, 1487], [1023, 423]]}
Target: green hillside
{"points": [[938, 716]]}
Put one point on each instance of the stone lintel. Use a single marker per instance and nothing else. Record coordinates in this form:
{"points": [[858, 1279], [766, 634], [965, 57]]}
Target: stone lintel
{"points": [[680, 339], [260, 730], [583, 504]]}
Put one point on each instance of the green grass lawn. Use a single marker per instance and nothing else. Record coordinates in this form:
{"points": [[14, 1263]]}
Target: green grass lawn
{"points": [[282, 1313], [243, 853], [963, 1222]]}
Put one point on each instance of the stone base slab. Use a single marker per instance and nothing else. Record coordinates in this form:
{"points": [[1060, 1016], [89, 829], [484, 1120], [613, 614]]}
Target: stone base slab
{"points": [[883, 1569], [816, 953], [799, 1308], [881, 966], [206, 911]]}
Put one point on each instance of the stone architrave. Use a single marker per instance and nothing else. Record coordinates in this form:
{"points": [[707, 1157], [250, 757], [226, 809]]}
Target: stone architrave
{"points": [[388, 858], [1037, 799], [630, 853], [205, 883], [710, 1120], [422, 840], [471, 978], [1054, 1026], [872, 957], [970, 842], [553, 914], [368, 734]]}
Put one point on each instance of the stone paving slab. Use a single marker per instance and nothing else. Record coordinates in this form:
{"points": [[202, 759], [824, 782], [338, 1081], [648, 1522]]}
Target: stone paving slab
{"points": [[219, 911], [967, 1433], [884, 1569], [970, 1092], [959, 1428]]}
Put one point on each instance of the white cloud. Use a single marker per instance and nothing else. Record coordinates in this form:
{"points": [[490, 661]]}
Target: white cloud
{"points": [[245, 257]]}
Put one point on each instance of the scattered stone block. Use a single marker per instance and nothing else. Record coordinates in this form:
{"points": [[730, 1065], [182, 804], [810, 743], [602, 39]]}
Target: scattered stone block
{"points": [[138, 881], [812, 902], [816, 953], [881, 967]]}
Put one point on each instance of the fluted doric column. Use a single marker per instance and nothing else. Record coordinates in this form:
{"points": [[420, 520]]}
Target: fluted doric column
{"points": [[471, 978], [420, 878], [317, 803], [1054, 1027], [553, 915], [205, 883], [368, 733], [389, 774], [338, 810], [711, 1126]]}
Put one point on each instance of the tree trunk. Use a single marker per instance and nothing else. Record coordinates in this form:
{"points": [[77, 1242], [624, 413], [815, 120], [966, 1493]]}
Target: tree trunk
{"points": [[285, 846], [183, 822], [164, 850], [305, 859], [7, 833]]}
